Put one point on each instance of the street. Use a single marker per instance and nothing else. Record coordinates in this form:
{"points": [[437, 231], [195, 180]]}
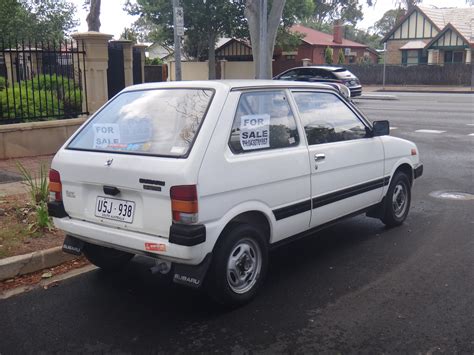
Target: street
{"points": [[355, 287]]}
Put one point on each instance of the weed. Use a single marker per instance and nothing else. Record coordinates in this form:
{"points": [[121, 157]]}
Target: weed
{"points": [[37, 185], [38, 190]]}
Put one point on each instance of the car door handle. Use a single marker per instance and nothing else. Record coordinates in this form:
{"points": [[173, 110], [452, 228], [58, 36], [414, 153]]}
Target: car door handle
{"points": [[319, 157]]}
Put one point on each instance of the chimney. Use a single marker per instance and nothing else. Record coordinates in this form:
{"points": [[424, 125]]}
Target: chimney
{"points": [[337, 32]]}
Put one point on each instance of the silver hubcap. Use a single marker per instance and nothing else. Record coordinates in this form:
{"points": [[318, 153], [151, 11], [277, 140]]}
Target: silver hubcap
{"points": [[399, 200], [244, 265]]}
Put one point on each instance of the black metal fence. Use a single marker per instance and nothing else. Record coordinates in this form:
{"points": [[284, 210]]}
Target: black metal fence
{"points": [[41, 81], [448, 74]]}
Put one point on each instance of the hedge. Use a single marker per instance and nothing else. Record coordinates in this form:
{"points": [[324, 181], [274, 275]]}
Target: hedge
{"points": [[44, 96]]}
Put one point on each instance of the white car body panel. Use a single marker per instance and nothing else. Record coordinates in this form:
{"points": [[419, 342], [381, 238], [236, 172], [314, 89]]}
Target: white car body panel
{"points": [[228, 184]]}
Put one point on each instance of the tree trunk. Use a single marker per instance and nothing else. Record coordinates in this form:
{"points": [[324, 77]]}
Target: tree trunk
{"points": [[212, 56], [93, 18], [273, 22]]}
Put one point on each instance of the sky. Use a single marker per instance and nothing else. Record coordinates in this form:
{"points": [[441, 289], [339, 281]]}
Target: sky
{"points": [[114, 19]]}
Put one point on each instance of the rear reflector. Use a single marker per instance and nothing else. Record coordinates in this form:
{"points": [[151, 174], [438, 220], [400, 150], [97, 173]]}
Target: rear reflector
{"points": [[184, 204], [55, 186]]}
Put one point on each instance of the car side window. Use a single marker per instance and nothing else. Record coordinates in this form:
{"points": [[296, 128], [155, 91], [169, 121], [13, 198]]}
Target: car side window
{"points": [[290, 75], [263, 120], [327, 119]]}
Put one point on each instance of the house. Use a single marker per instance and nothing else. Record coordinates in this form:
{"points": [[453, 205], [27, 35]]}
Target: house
{"points": [[233, 50], [314, 43], [430, 35]]}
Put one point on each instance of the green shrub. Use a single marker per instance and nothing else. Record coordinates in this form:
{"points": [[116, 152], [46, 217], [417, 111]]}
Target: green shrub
{"points": [[25, 102], [44, 95], [3, 82]]}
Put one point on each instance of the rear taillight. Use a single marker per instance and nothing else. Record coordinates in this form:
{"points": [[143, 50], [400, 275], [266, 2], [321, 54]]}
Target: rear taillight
{"points": [[55, 186], [184, 204]]}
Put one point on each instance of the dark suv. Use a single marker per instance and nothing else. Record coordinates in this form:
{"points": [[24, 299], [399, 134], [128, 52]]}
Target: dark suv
{"points": [[323, 74]]}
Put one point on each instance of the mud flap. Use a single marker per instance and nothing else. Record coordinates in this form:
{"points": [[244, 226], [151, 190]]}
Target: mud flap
{"points": [[73, 245], [191, 275], [377, 211]]}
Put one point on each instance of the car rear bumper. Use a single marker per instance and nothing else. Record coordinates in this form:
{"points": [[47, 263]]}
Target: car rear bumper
{"points": [[132, 242]]}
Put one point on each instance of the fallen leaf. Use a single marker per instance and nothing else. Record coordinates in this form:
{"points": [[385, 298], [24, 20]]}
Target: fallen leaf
{"points": [[47, 275]]}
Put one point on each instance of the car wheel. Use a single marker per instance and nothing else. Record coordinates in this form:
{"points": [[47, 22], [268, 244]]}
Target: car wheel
{"points": [[239, 265], [106, 258], [397, 200]]}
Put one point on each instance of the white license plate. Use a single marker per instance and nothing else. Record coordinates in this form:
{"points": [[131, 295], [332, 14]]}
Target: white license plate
{"points": [[113, 208]]}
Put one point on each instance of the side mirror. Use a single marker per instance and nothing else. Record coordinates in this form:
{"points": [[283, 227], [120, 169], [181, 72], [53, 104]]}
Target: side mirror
{"points": [[381, 128]]}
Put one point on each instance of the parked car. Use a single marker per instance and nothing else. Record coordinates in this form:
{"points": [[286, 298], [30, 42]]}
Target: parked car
{"points": [[206, 176], [323, 73]]}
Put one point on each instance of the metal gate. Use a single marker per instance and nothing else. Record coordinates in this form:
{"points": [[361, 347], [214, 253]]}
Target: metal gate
{"points": [[137, 66], [115, 71]]}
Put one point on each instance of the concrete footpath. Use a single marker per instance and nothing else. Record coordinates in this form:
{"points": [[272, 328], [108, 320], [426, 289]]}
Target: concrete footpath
{"points": [[418, 89]]}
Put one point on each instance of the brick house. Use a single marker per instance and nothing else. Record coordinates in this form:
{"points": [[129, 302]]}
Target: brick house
{"points": [[430, 35], [314, 44]]}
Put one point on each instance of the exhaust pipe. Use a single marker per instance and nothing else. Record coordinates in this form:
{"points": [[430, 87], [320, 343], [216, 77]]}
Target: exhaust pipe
{"points": [[161, 266]]}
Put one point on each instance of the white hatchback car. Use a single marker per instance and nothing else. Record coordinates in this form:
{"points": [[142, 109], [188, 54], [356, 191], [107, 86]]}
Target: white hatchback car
{"points": [[206, 176]]}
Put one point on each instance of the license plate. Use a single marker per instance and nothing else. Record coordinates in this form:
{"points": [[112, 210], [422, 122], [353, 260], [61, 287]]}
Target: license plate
{"points": [[113, 208]]}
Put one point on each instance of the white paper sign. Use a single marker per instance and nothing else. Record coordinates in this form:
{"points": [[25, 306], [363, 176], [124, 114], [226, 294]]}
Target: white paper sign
{"points": [[106, 134], [255, 132]]}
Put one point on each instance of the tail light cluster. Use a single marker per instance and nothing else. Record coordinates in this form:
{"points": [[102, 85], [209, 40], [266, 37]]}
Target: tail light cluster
{"points": [[184, 204], [55, 186]]}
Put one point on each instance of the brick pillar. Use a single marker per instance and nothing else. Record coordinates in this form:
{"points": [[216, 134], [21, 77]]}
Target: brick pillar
{"points": [[306, 62], [222, 63], [468, 56], [95, 45]]}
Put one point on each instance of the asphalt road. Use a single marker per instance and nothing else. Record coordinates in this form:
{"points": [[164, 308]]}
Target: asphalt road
{"points": [[356, 287]]}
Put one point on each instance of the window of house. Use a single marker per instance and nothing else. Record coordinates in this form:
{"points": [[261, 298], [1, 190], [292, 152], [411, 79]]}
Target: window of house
{"points": [[263, 120], [410, 57], [327, 119], [453, 56]]}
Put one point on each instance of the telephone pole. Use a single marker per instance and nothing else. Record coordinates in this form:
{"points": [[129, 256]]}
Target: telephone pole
{"points": [[178, 24]]}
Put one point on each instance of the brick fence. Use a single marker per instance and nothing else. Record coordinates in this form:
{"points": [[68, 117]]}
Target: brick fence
{"points": [[452, 74]]}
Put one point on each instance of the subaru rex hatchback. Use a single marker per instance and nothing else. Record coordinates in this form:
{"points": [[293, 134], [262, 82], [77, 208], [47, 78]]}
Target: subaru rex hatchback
{"points": [[206, 176]]}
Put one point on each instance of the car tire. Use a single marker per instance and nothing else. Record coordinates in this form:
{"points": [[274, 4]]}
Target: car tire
{"points": [[397, 200], [106, 258], [239, 264]]}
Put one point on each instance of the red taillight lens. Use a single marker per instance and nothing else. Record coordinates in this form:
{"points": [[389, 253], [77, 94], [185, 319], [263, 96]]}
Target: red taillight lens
{"points": [[55, 187], [184, 203]]}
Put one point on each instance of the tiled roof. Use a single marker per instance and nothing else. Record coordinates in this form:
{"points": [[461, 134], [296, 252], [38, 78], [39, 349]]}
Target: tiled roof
{"points": [[319, 38], [461, 18]]}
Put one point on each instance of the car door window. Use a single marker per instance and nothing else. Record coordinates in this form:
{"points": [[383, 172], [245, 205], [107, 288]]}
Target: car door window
{"points": [[289, 75], [326, 118], [263, 120]]}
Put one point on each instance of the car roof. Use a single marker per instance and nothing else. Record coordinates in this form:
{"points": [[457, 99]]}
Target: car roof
{"points": [[324, 67], [229, 85]]}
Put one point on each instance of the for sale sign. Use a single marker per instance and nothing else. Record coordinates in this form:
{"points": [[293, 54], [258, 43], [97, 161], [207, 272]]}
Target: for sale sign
{"points": [[255, 131]]}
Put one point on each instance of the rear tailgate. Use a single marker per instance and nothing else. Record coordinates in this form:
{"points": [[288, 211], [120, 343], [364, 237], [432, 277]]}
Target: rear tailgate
{"points": [[142, 182]]}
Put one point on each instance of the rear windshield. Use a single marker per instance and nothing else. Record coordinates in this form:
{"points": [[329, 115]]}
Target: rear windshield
{"points": [[343, 73], [161, 122]]}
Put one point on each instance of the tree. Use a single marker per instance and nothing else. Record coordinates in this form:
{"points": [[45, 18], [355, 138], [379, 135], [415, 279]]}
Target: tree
{"points": [[327, 11], [36, 20], [93, 18], [340, 57], [203, 20], [328, 55], [129, 34], [407, 4], [388, 21], [293, 10]]}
